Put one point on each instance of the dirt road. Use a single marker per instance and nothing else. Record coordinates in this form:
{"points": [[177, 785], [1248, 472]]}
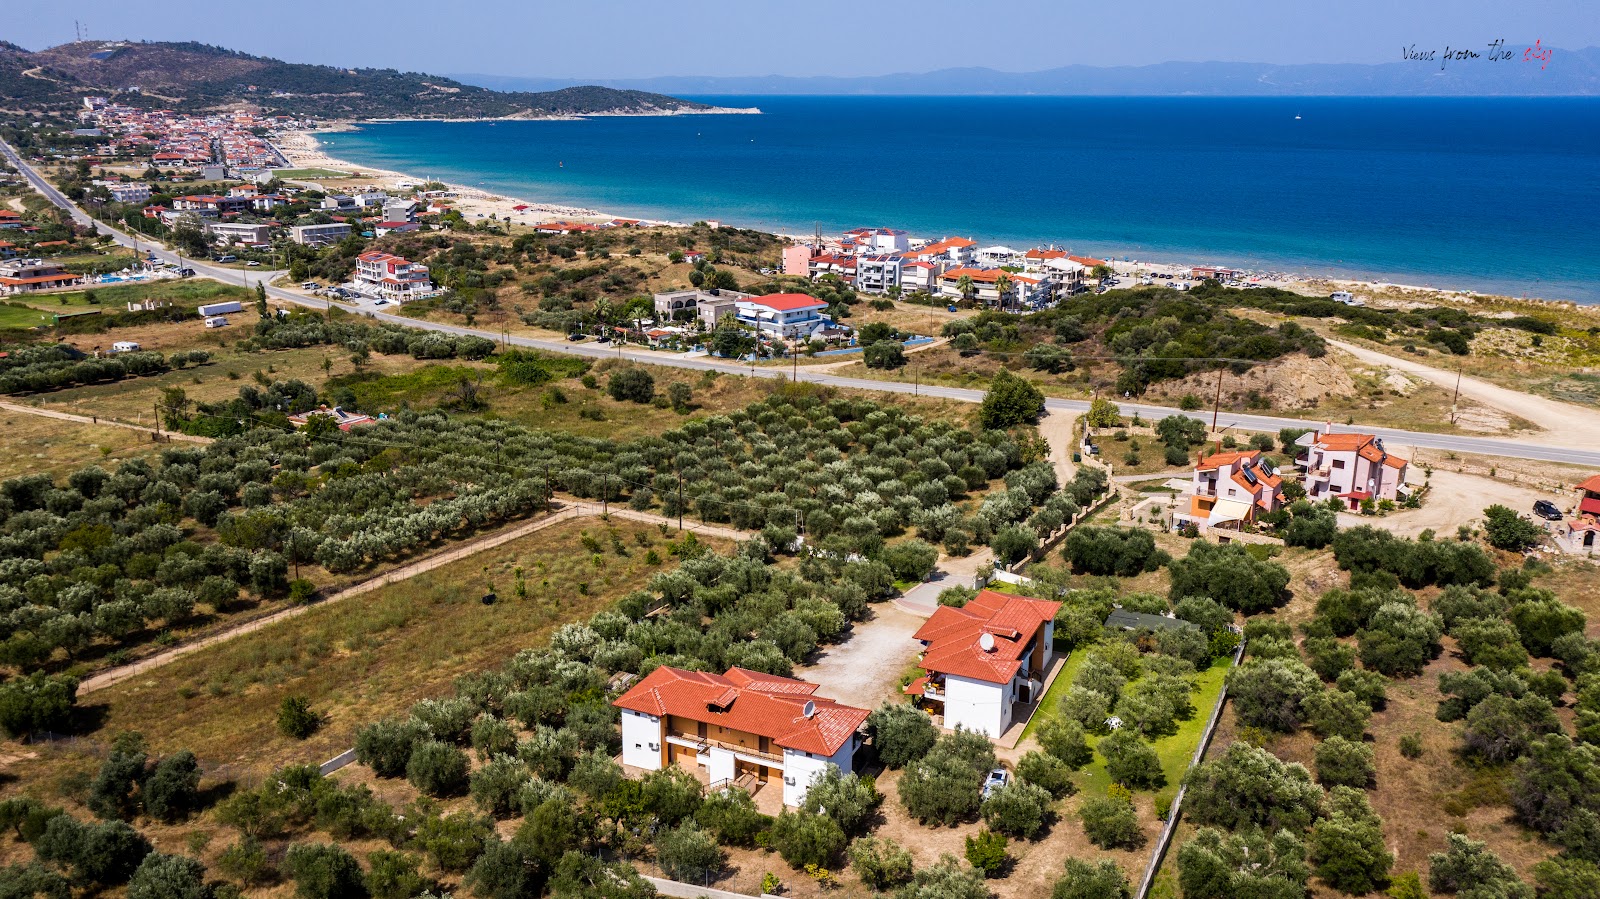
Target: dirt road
{"points": [[1564, 424], [89, 420], [1453, 499], [568, 512], [865, 670]]}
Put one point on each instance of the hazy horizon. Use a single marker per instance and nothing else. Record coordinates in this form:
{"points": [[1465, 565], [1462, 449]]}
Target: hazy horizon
{"points": [[611, 39]]}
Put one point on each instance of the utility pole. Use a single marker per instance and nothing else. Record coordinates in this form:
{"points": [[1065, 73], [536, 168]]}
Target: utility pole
{"points": [[1216, 405], [1455, 396], [794, 364], [680, 502], [916, 381], [605, 494], [156, 409]]}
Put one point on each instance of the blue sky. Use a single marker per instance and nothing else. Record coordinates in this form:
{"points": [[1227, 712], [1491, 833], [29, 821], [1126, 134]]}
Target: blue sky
{"points": [[640, 38]]}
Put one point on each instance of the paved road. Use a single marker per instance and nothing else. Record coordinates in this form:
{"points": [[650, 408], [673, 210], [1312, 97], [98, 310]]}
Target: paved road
{"points": [[1490, 446]]}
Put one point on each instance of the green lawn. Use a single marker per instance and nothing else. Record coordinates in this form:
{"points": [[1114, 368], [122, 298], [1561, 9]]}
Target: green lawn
{"points": [[15, 316], [1175, 751], [185, 292]]}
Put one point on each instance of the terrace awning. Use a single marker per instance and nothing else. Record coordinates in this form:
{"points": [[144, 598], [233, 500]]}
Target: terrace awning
{"points": [[1228, 510]]}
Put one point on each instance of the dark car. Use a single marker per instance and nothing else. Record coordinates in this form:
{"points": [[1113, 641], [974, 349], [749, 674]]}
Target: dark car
{"points": [[1547, 510], [602, 339], [574, 337]]}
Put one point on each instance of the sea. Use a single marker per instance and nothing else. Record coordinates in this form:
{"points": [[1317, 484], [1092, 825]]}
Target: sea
{"points": [[1497, 195]]}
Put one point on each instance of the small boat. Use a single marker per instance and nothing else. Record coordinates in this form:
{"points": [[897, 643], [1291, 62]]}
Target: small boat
{"points": [[1297, 118]]}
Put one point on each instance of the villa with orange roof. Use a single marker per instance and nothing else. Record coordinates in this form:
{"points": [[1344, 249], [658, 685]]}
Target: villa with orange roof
{"points": [[739, 725], [1351, 467], [1230, 489], [955, 250], [393, 277], [984, 659]]}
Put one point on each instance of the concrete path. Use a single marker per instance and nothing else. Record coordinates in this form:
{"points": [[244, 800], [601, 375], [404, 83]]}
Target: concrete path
{"points": [[960, 571], [690, 891]]}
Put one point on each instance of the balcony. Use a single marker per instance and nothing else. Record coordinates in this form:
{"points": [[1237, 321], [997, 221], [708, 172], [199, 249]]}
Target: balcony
{"points": [[705, 744]]}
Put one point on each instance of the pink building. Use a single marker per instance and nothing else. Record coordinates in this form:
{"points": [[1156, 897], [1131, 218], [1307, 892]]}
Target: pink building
{"points": [[1352, 467], [797, 260]]}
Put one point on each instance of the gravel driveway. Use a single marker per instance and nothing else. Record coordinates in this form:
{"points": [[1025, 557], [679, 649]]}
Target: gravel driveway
{"points": [[865, 670], [1454, 499]]}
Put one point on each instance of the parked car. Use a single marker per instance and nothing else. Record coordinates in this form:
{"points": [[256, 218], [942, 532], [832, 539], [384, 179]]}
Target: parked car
{"points": [[252, 263], [602, 339], [997, 778], [575, 338], [1547, 510], [228, 258]]}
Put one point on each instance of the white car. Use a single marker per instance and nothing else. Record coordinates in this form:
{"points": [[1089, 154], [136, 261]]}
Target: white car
{"points": [[997, 778]]}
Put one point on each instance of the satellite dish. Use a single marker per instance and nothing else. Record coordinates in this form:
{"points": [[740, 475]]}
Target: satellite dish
{"points": [[809, 709], [986, 641]]}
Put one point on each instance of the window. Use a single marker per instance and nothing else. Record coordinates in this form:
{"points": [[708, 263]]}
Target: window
{"points": [[1338, 463]]}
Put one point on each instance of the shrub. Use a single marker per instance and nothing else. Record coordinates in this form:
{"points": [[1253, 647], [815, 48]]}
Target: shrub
{"points": [[912, 560], [881, 863], [1045, 770], [1111, 822], [1507, 530], [1346, 848], [1401, 640], [1010, 401], [986, 852], [729, 814], [946, 784], [945, 880], [1336, 713], [631, 384], [1124, 552], [162, 876], [1250, 787], [688, 853], [901, 734], [385, 746], [1229, 575], [1018, 809], [885, 354], [1215, 865], [36, 702], [296, 719], [324, 871], [1131, 761], [1103, 880], [172, 791], [437, 768], [1346, 763], [848, 799], [807, 838]]}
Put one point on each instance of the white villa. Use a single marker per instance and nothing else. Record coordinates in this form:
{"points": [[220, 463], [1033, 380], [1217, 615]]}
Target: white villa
{"points": [[984, 659]]}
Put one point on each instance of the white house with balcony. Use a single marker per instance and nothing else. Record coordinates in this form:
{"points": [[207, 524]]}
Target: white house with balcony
{"points": [[985, 660], [741, 727], [1229, 489], [785, 315]]}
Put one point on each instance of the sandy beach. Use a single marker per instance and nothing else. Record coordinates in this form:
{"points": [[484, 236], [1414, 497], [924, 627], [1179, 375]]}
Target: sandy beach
{"points": [[304, 150]]}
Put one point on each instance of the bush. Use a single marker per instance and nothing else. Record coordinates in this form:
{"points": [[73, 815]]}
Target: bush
{"points": [[885, 354], [35, 702], [1018, 809], [912, 560], [1045, 770], [1313, 530], [1269, 693], [688, 853], [1111, 822], [1250, 787], [1229, 575], [1064, 740], [437, 768], [1010, 401], [986, 852], [730, 815], [1215, 865], [880, 863], [162, 876], [1468, 865], [807, 838], [946, 784], [631, 384], [945, 880], [1345, 763], [296, 719], [848, 799], [1124, 552], [1103, 414], [172, 791], [1131, 761], [324, 871], [1346, 848], [1401, 640], [1507, 530], [1336, 713], [901, 734], [385, 746]]}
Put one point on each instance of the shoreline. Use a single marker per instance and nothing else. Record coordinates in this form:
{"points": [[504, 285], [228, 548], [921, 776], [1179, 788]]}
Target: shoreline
{"points": [[475, 202]]}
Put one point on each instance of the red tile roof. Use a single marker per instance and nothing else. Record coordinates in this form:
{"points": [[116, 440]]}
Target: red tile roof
{"points": [[954, 635], [762, 704], [1592, 484], [788, 302]]}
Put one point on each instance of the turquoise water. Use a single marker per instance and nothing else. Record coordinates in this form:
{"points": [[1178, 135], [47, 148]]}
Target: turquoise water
{"points": [[1497, 195]]}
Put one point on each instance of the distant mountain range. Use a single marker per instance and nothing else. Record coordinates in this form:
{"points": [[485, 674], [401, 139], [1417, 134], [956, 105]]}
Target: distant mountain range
{"points": [[196, 77], [1569, 73]]}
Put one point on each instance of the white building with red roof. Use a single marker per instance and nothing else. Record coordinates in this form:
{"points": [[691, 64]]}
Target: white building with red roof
{"points": [[783, 315], [393, 277], [1352, 467], [736, 724], [984, 659], [1231, 489]]}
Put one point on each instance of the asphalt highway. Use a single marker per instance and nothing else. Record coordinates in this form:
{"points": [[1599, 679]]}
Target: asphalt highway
{"points": [[1488, 446]]}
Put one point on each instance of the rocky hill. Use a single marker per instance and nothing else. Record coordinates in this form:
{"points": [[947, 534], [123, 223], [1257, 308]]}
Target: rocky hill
{"points": [[195, 77]]}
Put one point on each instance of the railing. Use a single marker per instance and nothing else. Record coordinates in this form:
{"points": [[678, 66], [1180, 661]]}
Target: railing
{"points": [[703, 744]]}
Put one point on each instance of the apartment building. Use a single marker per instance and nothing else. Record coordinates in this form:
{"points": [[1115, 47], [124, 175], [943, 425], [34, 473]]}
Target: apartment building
{"points": [[740, 727], [984, 660], [319, 235], [392, 277]]}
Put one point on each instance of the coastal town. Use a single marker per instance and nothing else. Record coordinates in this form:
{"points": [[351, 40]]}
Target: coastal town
{"points": [[368, 535]]}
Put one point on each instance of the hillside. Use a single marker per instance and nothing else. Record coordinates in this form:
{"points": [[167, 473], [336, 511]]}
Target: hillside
{"points": [[194, 77]]}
